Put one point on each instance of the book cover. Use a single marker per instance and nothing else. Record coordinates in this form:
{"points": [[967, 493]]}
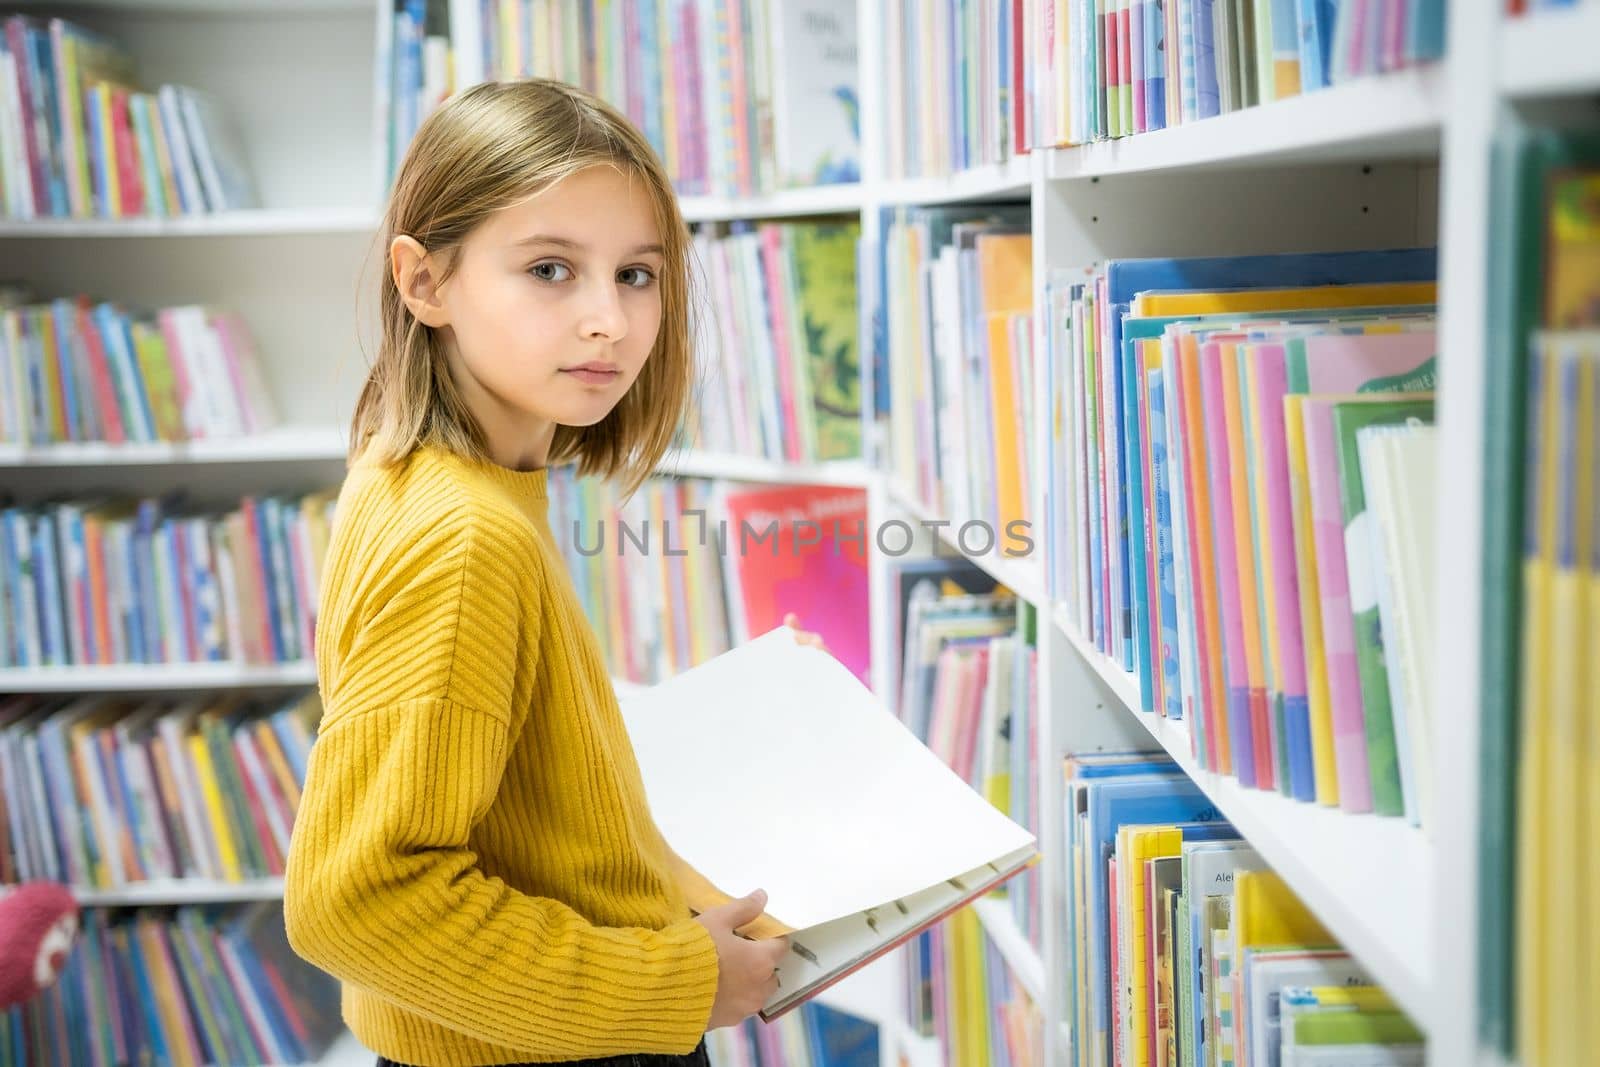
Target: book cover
{"points": [[802, 549], [848, 876], [1383, 759]]}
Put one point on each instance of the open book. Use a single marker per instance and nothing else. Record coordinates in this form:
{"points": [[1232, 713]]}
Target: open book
{"points": [[773, 767]]}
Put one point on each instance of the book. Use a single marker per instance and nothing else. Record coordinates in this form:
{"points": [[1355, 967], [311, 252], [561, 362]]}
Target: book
{"points": [[1377, 714], [852, 868]]}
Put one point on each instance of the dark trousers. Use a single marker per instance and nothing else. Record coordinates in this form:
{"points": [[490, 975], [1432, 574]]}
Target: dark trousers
{"points": [[697, 1058]]}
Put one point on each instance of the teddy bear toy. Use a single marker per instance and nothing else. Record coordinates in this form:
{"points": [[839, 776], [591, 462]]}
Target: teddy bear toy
{"points": [[38, 922]]}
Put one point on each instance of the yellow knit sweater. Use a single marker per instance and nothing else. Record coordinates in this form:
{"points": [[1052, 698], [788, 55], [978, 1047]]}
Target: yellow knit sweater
{"points": [[473, 857]]}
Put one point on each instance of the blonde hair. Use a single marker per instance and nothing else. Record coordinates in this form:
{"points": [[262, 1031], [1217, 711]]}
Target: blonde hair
{"points": [[489, 148]]}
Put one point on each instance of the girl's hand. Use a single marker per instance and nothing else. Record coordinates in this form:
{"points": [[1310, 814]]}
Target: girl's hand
{"points": [[747, 971], [805, 637]]}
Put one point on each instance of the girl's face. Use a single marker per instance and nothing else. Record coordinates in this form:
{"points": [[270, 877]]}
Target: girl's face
{"points": [[553, 309]]}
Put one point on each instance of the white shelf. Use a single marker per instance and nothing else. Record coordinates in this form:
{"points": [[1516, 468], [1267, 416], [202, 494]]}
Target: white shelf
{"points": [[1549, 53], [180, 891], [754, 469], [346, 1051], [260, 223], [1013, 573], [919, 1051], [203, 7], [996, 181], [1387, 116], [1369, 878], [285, 444], [155, 676], [1024, 960], [820, 200]]}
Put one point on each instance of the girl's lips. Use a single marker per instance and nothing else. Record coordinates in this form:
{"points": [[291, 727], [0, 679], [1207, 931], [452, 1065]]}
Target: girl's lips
{"points": [[593, 377]]}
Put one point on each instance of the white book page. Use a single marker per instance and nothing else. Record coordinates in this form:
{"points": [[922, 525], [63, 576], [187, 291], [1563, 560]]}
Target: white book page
{"points": [[773, 767], [819, 953]]}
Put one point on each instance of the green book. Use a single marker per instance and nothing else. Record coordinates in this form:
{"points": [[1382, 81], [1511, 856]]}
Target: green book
{"points": [[823, 260], [1383, 761], [1525, 158]]}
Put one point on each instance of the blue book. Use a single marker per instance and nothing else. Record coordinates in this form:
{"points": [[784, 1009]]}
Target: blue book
{"points": [[1155, 63], [1165, 655], [1207, 94], [47, 579], [1314, 38]]}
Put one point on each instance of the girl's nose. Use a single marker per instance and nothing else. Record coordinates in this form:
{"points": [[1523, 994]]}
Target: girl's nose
{"points": [[603, 315]]}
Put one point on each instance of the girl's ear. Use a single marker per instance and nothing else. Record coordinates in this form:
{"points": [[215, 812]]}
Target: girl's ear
{"points": [[416, 276]]}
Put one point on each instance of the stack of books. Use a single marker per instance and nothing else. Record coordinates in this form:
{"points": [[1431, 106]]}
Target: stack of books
{"points": [[650, 581], [75, 370], [80, 137], [1240, 511], [738, 97], [1123, 67], [1183, 946], [1540, 833], [121, 581], [102, 793], [776, 340], [955, 347], [189, 986]]}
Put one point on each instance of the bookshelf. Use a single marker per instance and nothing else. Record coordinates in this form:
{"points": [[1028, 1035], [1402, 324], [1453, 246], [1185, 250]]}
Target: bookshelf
{"points": [[1550, 55], [1398, 158], [156, 677]]}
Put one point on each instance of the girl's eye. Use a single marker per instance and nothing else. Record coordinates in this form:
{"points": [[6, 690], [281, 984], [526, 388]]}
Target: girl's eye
{"points": [[635, 277], [551, 271]]}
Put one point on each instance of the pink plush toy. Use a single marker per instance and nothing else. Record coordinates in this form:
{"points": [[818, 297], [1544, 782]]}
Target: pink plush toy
{"points": [[38, 921]]}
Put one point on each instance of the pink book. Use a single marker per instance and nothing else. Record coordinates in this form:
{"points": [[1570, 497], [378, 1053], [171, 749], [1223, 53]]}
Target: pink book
{"points": [[1114, 945], [772, 257], [105, 390], [1338, 627], [1340, 364], [1242, 741], [1267, 385]]}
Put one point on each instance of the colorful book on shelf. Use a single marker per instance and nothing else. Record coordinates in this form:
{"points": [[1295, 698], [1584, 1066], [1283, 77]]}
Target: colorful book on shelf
{"points": [[1346, 419], [794, 549], [1150, 288], [892, 871], [1399, 471]]}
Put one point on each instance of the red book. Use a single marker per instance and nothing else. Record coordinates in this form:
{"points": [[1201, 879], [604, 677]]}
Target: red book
{"points": [[802, 549], [130, 183]]}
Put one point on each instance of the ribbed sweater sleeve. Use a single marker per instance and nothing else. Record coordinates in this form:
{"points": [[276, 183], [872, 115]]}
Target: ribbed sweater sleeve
{"points": [[383, 888]]}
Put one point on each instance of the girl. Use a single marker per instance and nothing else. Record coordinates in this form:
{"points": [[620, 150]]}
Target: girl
{"points": [[473, 856]]}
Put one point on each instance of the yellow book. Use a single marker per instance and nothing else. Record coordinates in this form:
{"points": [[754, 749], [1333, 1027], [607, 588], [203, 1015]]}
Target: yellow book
{"points": [[1535, 926], [1136, 847], [1216, 302], [1305, 555], [1355, 997], [165, 984], [107, 147], [1259, 746], [211, 791], [54, 388], [1005, 270], [1266, 912], [975, 1005], [1566, 916], [277, 765], [1588, 805]]}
